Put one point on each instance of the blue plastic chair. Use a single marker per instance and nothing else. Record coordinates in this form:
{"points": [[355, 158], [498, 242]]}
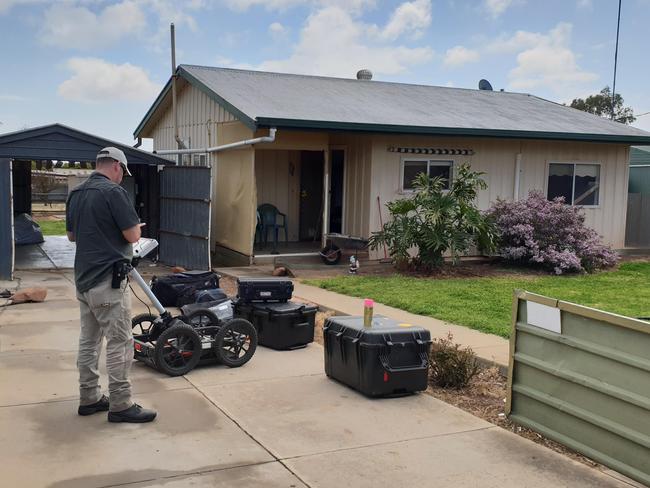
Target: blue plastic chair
{"points": [[268, 220]]}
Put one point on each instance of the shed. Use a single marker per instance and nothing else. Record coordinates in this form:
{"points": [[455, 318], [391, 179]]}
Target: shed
{"points": [[62, 143]]}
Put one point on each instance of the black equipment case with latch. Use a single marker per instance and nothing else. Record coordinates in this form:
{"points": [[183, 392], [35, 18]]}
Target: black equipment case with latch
{"points": [[264, 289], [388, 358], [288, 325], [179, 289]]}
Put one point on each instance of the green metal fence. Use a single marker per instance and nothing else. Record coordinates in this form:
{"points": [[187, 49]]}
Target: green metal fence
{"points": [[581, 377]]}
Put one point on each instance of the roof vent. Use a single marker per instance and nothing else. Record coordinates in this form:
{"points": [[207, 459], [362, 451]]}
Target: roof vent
{"points": [[364, 74], [484, 85]]}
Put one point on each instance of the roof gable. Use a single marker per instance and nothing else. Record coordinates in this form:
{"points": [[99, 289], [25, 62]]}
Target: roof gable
{"points": [[57, 141]]}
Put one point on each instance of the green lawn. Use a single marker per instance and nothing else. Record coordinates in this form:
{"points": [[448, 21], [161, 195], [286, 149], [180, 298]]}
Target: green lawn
{"points": [[485, 303], [52, 227]]}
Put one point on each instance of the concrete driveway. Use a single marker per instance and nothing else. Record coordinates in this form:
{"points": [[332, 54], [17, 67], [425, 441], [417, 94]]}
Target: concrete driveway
{"points": [[276, 422]]}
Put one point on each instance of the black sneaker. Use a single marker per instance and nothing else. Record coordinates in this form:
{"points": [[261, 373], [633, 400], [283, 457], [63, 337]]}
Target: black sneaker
{"points": [[99, 406], [135, 414]]}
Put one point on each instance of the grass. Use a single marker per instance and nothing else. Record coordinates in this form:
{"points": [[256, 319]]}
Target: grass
{"points": [[485, 303], [52, 227]]}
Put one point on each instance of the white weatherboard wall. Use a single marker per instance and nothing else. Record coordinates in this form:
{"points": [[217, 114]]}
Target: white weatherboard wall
{"points": [[497, 158], [198, 117]]}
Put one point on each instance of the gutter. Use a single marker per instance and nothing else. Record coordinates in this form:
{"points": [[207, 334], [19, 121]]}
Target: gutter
{"points": [[304, 124], [232, 145]]}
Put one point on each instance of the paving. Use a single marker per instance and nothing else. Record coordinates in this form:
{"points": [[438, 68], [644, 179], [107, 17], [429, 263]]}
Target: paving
{"points": [[56, 252], [278, 421]]}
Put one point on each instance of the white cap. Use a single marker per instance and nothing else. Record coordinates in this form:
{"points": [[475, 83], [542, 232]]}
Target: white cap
{"points": [[116, 154]]}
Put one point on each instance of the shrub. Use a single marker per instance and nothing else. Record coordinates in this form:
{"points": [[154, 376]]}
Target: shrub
{"points": [[548, 233], [449, 365], [433, 221]]}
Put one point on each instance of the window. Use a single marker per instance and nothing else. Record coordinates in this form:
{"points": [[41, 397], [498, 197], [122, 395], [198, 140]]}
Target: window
{"points": [[199, 159], [579, 184], [412, 168]]}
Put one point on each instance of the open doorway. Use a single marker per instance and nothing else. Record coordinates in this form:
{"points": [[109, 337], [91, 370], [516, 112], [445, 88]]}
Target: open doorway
{"points": [[311, 195], [337, 158]]}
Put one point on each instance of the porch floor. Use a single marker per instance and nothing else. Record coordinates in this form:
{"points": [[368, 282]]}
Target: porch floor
{"points": [[292, 247]]}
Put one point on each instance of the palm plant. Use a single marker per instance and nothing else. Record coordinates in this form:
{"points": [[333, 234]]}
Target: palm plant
{"points": [[433, 221]]}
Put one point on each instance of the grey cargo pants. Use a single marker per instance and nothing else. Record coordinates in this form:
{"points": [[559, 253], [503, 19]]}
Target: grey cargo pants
{"points": [[105, 312]]}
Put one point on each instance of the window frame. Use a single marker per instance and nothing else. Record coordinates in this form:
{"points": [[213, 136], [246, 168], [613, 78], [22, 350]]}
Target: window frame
{"points": [[440, 162], [573, 183]]}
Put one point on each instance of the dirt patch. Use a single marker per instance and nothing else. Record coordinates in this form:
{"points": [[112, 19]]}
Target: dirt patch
{"points": [[467, 268]]}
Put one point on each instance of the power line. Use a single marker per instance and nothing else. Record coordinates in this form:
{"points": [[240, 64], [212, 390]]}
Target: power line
{"points": [[618, 26]]}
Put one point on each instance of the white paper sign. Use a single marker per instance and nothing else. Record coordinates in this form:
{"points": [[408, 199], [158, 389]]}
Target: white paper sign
{"points": [[544, 317]]}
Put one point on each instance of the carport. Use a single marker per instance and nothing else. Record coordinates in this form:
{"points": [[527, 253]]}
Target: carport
{"points": [[62, 143]]}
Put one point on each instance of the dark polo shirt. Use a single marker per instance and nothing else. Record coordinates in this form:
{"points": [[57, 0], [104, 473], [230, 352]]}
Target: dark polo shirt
{"points": [[97, 211]]}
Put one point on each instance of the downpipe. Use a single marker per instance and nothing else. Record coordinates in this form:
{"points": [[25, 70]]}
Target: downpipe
{"points": [[233, 145]]}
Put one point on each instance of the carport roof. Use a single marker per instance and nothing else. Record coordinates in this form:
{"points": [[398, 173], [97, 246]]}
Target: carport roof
{"points": [[59, 142], [261, 99]]}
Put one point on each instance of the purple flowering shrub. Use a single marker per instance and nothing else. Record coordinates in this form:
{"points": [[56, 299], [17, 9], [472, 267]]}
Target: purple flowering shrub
{"points": [[550, 234]]}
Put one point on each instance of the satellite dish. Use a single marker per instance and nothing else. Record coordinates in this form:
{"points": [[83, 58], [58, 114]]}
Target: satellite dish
{"points": [[484, 85]]}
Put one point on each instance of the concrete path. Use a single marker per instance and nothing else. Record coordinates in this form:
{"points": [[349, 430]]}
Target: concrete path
{"points": [[276, 422], [489, 348], [56, 252]]}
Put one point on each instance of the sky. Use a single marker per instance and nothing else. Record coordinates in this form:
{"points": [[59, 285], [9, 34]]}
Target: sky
{"points": [[98, 65]]}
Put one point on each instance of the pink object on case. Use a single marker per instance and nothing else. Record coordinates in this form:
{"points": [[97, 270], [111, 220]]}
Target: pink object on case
{"points": [[368, 302]]}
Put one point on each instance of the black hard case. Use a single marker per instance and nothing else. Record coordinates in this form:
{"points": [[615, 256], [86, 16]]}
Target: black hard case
{"points": [[264, 289], [288, 325], [179, 289], [388, 358]]}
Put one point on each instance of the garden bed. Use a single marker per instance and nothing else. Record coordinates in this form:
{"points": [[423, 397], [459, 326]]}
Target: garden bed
{"points": [[479, 296]]}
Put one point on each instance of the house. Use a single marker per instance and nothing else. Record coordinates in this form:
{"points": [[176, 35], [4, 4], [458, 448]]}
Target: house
{"points": [[334, 151]]}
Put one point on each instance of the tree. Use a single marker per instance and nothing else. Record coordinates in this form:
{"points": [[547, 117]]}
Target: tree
{"points": [[601, 105], [434, 221]]}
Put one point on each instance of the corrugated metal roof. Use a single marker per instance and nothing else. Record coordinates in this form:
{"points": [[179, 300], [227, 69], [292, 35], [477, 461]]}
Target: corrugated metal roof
{"points": [[640, 155], [60, 142], [263, 99]]}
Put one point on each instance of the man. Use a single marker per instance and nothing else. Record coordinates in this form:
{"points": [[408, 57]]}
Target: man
{"points": [[102, 221]]}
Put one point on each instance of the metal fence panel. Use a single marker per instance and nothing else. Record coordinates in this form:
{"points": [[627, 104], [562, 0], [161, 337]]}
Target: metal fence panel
{"points": [[581, 377], [637, 232], [6, 221], [185, 195]]}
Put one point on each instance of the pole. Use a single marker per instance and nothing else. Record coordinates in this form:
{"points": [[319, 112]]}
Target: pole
{"points": [[618, 26]]}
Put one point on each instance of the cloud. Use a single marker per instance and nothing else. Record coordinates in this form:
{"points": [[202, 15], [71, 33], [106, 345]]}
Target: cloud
{"points": [[277, 30], [166, 12], [68, 26], [497, 7], [354, 6], [587, 4], [6, 5], [459, 55], [520, 41], [546, 60], [97, 80], [73, 24], [408, 17], [347, 49], [243, 5]]}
